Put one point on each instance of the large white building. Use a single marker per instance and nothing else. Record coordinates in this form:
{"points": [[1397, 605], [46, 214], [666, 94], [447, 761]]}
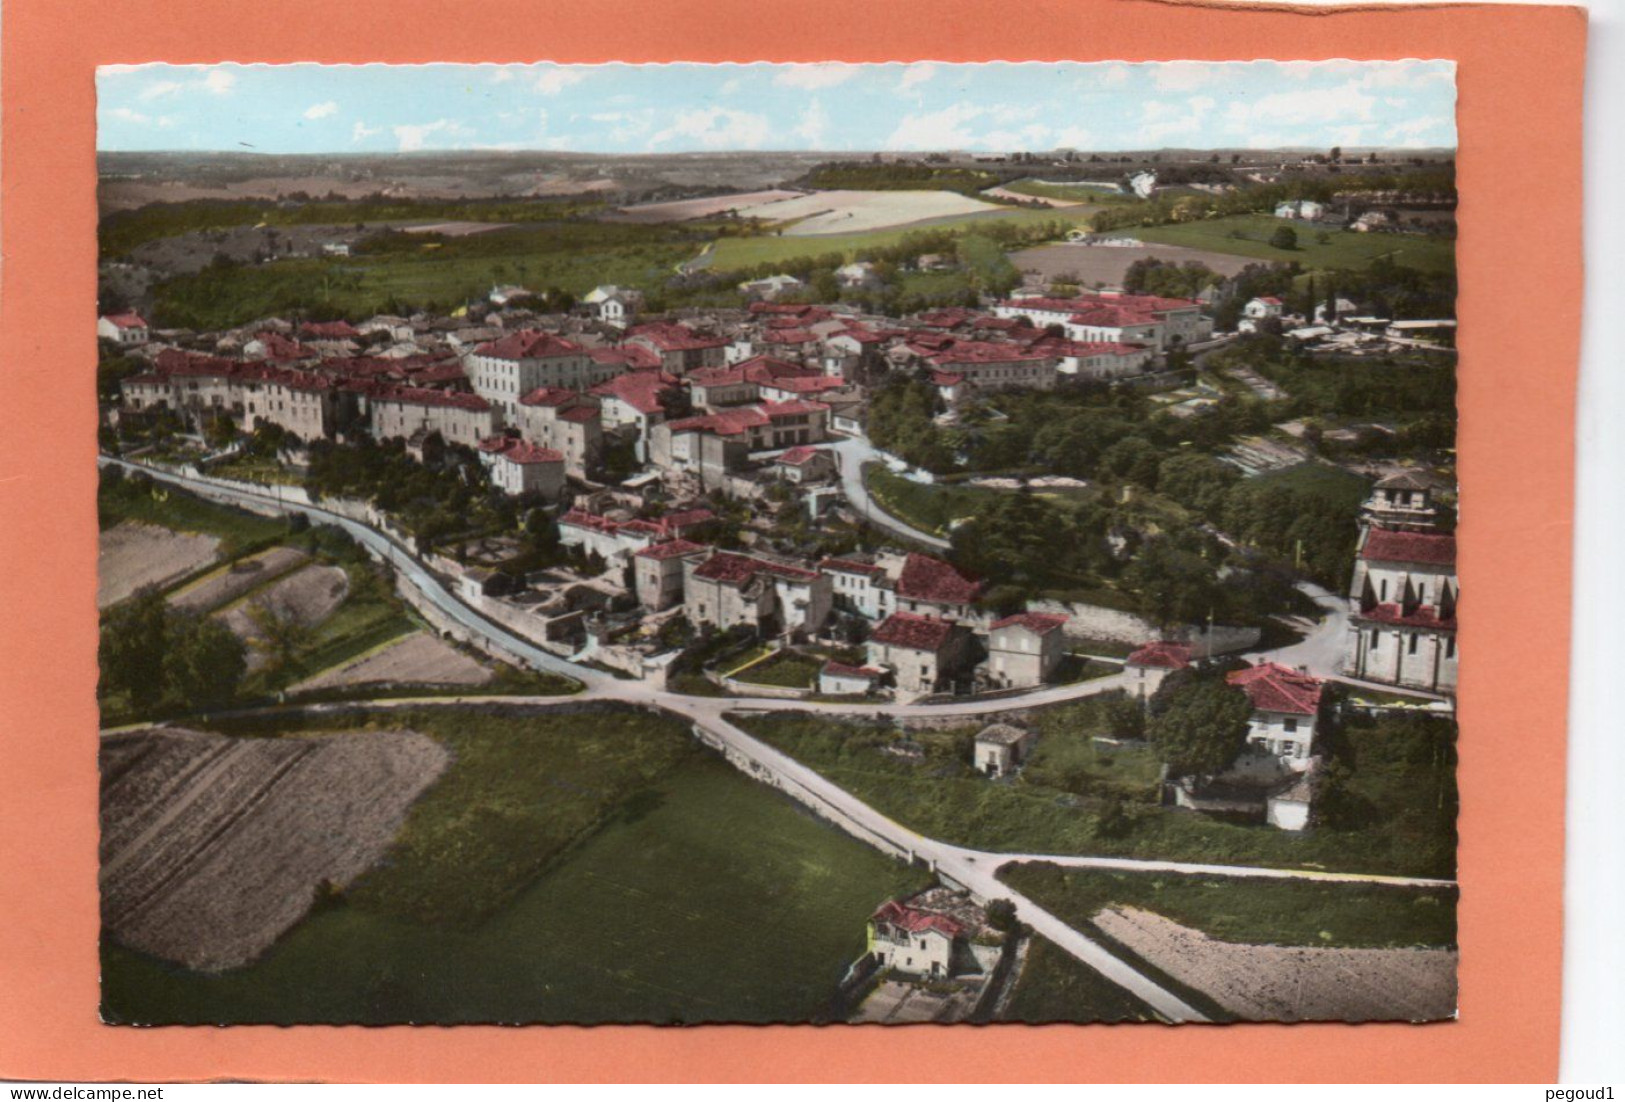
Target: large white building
{"points": [[503, 371]]}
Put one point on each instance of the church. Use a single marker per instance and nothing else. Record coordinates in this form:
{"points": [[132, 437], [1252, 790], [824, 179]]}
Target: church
{"points": [[1403, 597]]}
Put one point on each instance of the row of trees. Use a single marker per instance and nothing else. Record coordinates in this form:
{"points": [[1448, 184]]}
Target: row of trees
{"points": [[153, 654]]}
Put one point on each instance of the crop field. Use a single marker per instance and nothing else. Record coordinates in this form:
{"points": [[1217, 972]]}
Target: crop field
{"points": [[1087, 265], [415, 659], [134, 555], [746, 204], [1248, 235], [567, 868], [237, 578], [212, 847], [1275, 983], [747, 252], [1055, 986]]}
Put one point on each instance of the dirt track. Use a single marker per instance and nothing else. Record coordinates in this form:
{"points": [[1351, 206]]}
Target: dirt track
{"points": [[134, 555], [213, 847], [1289, 983], [417, 659]]}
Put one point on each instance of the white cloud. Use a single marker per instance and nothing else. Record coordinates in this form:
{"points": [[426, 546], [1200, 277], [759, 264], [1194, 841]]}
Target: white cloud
{"points": [[1164, 119], [1306, 106], [1419, 133], [822, 74], [729, 87], [220, 81], [1073, 137], [550, 80], [321, 110], [717, 128], [915, 75], [124, 114], [501, 75], [814, 124], [943, 129], [1113, 76], [1184, 76], [415, 137], [362, 130], [625, 125], [160, 90]]}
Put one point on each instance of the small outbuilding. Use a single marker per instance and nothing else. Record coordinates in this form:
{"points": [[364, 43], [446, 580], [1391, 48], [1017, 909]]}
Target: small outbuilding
{"points": [[1000, 749]]}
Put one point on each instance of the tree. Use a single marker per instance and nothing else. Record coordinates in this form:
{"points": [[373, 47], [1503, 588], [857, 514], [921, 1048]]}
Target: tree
{"points": [[1284, 237], [133, 638], [1204, 728], [282, 634], [1001, 915], [204, 662]]}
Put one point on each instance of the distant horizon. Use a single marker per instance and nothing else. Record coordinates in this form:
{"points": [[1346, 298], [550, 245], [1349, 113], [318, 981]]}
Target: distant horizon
{"points": [[832, 108], [1407, 151]]}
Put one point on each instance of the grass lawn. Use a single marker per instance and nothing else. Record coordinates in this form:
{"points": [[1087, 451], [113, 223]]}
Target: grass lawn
{"points": [[582, 868], [786, 669], [929, 507], [1249, 235], [1057, 987], [1396, 804], [1251, 912], [119, 500]]}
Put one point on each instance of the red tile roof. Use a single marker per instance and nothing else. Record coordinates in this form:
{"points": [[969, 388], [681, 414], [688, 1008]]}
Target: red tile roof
{"points": [[639, 389], [799, 455], [530, 454], [550, 396], [841, 669], [1424, 616], [1274, 688], [329, 330], [848, 566], [127, 320], [927, 579], [1162, 655], [1383, 545], [1039, 623], [418, 396], [580, 414], [673, 337], [529, 344], [727, 566], [634, 356], [913, 631], [916, 921]]}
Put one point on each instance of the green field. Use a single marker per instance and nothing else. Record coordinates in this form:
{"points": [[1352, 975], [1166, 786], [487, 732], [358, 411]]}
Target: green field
{"points": [[1249, 235], [786, 669], [1251, 912], [930, 507], [1057, 987], [733, 253], [121, 498], [566, 869], [1072, 193], [1396, 807]]}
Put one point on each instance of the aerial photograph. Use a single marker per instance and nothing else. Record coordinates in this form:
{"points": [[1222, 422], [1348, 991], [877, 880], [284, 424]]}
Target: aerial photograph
{"points": [[777, 543]]}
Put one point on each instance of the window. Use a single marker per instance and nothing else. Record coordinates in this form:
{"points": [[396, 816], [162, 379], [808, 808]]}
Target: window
{"points": [[1450, 647], [1289, 725], [1382, 593], [1415, 636], [1376, 640]]}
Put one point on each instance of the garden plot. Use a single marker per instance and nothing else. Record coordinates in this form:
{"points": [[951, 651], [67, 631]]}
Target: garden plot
{"points": [[416, 659], [134, 555], [237, 578], [1288, 983], [307, 596], [213, 847]]}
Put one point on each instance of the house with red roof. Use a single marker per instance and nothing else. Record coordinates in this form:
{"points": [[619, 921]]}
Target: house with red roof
{"points": [[128, 327], [658, 571], [924, 653], [1286, 704], [861, 585], [633, 401], [934, 587], [805, 464], [840, 679], [1404, 592], [566, 421], [936, 934], [1118, 317], [710, 445], [519, 468], [681, 348], [1025, 650], [771, 596], [404, 412], [1147, 666], [505, 370]]}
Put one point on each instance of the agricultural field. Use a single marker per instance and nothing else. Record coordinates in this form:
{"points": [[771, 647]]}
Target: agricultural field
{"points": [[1055, 986], [748, 204], [565, 868], [1248, 235], [306, 597], [236, 578], [134, 555], [1079, 192], [419, 658], [213, 847], [845, 212], [1088, 265]]}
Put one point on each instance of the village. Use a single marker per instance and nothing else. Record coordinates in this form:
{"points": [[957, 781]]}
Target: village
{"points": [[1040, 612]]}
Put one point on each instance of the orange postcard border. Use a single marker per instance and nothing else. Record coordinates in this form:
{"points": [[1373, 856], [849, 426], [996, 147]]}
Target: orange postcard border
{"points": [[1519, 84]]}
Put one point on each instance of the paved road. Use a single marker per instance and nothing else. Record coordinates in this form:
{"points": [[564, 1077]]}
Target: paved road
{"points": [[853, 453], [972, 869]]}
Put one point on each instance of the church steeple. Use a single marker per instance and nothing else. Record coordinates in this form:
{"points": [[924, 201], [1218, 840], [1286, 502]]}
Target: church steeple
{"points": [[1401, 502]]}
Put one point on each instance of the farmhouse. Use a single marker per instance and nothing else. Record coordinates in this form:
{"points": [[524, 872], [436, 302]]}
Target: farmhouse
{"points": [[680, 348], [937, 934], [1286, 704], [614, 305], [520, 468], [1025, 650], [805, 464], [729, 590], [565, 421], [861, 585], [839, 679], [659, 569], [126, 328], [936, 588], [924, 653], [1148, 665]]}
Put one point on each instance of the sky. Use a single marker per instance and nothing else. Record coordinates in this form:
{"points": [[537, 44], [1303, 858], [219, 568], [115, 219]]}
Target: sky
{"points": [[833, 106]]}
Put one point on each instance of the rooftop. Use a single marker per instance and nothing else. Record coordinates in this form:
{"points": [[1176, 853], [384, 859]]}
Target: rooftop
{"points": [[1275, 688], [913, 631]]}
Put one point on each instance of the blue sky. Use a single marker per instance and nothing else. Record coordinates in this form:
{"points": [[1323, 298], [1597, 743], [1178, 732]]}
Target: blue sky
{"points": [[826, 106]]}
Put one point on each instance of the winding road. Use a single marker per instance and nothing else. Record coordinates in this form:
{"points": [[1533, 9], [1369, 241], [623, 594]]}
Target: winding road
{"points": [[975, 870]]}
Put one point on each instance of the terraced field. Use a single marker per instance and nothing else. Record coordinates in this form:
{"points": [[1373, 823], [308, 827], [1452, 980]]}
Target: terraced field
{"points": [[134, 555], [212, 847]]}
